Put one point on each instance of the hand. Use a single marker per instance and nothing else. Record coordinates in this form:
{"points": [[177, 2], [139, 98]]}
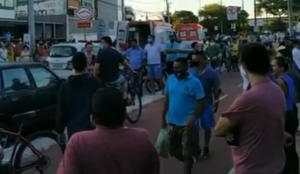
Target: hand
{"points": [[216, 105], [190, 123], [288, 139], [61, 138], [164, 124]]}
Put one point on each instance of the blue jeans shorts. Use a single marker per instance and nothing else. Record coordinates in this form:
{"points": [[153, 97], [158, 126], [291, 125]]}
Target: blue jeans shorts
{"points": [[207, 117], [154, 71]]}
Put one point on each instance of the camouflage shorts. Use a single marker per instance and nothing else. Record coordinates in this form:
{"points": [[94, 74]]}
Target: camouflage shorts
{"points": [[184, 142]]}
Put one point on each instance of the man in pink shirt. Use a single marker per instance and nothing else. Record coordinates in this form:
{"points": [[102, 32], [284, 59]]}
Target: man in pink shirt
{"points": [[254, 123], [111, 148]]}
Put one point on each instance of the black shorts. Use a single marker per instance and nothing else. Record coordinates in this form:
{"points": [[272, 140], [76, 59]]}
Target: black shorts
{"points": [[169, 67]]}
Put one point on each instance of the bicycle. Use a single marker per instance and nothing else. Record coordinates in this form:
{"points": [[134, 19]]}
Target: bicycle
{"points": [[157, 87], [13, 166], [133, 95]]}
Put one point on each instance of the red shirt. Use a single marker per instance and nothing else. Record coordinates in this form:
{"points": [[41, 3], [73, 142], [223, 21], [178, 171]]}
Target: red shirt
{"points": [[119, 151]]}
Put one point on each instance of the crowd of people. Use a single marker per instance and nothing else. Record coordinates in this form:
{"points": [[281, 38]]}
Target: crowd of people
{"points": [[20, 52]]}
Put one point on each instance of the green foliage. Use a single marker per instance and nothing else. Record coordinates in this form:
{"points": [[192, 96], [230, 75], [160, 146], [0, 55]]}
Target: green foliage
{"points": [[273, 7], [216, 15], [184, 16]]}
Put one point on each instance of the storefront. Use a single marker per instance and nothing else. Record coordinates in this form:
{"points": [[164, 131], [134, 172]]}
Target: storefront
{"points": [[50, 18]]}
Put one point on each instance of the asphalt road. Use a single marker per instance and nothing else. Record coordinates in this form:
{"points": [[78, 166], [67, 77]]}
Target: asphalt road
{"points": [[220, 162]]}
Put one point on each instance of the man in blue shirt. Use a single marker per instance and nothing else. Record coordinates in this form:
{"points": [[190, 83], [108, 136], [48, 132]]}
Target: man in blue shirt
{"points": [[182, 108], [171, 51], [136, 57], [211, 85]]}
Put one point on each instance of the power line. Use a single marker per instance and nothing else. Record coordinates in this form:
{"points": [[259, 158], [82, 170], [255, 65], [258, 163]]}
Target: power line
{"points": [[140, 2], [117, 7]]}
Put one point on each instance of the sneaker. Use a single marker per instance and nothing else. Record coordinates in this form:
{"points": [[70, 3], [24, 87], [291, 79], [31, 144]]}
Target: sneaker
{"points": [[205, 153]]}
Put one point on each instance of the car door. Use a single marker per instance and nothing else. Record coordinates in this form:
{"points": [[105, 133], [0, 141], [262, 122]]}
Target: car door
{"points": [[47, 85], [17, 94]]}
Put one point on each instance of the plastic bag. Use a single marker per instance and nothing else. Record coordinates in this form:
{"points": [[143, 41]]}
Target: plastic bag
{"points": [[162, 143]]}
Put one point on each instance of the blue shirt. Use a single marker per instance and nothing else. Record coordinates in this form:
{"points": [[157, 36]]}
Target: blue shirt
{"points": [[136, 56], [289, 95], [172, 56], [209, 79], [183, 95]]}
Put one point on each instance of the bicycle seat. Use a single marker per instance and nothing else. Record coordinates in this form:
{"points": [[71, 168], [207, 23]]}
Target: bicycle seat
{"points": [[25, 115]]}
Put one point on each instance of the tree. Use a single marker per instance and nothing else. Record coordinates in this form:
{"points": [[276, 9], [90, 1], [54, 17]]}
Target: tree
{"points": [[215, 15], [277, 7], [165, 17], [184, 16]]}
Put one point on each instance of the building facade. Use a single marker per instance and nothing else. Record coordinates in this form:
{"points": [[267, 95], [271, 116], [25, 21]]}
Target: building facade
{"points": [[55, 19], [106, 12]]}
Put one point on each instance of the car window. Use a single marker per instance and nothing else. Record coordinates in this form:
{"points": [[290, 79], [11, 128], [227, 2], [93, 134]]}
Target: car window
{"points": [[15, 79], [62, 51], [43, 77]]}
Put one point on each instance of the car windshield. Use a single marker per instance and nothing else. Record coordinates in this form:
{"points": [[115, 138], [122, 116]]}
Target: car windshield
{"points": [[62, 51], [186, 45]]}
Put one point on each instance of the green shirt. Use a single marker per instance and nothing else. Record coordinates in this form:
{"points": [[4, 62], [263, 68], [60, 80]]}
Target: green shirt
{"points": [[213, 51]]}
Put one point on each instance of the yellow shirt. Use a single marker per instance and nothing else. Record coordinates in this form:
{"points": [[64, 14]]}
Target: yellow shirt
{"points": [[10, 56], [234, 49]]}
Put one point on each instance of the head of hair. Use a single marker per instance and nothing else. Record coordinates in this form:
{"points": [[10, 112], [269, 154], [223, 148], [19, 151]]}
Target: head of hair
{"points": [[194, 44], [255, 58], [88, 43], [133, 40], [108, 107], [182, 60], [107, 40], [79, 62], [282, 62]]}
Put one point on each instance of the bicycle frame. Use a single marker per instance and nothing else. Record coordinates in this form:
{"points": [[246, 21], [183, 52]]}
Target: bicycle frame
{"points": [[20, 138]]}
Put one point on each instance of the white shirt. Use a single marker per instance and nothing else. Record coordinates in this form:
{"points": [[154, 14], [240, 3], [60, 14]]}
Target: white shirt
{"points": [[296, 57], [153, 53], [3, 53], [244, 77]]}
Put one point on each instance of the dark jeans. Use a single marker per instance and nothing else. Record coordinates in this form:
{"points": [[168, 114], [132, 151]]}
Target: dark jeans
{"points": [[292, 158], [138, 80]]}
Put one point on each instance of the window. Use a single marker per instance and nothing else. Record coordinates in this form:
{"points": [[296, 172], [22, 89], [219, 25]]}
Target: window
{"points": [[182, 34], [121, 35], [163, 35], [15, 79], [7, 3], [62, 51], [193, 33], [42, 77]]}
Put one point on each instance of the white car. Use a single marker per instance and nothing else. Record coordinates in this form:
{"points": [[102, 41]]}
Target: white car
{"points": [[60, 55]]}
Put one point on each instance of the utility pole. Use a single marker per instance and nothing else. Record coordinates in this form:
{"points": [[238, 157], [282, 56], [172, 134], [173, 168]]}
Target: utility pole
{"points": [[291, 16], [147, 17], [243, 4], [31, 23], [168, 11], [255, 16]]}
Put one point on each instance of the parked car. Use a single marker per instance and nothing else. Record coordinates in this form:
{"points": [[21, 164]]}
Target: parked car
{"points": [[28, 87], [60, 55]]}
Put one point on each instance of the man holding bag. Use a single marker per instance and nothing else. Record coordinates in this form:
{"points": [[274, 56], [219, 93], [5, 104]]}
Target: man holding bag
{"points": [[182, 108]]}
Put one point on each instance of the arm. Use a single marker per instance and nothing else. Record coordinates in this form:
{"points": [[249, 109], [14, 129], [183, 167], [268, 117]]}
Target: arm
{"points": [[97, 64], [236, 113], [61, 110], [70, 163], [125, 63], [282, 85], [166, 104], [199, 94], [296, 58], [216, 86]]}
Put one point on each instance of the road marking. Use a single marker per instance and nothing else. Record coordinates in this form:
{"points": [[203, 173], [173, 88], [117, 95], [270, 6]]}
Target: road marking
{"points": [[240, 85], [223, 97]]}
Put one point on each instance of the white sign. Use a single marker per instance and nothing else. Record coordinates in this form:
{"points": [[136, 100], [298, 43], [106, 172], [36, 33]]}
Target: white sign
{"points": [[85, 13], [232, 13], [26, 39], [41, 7]]}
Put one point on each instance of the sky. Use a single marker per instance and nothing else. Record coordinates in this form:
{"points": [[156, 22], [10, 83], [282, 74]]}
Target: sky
{"points": [[155, 7]]}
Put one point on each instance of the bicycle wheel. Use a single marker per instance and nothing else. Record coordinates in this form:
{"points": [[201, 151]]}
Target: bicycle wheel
{"points": [[149, 88], [41, 165], [135, 116]]}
